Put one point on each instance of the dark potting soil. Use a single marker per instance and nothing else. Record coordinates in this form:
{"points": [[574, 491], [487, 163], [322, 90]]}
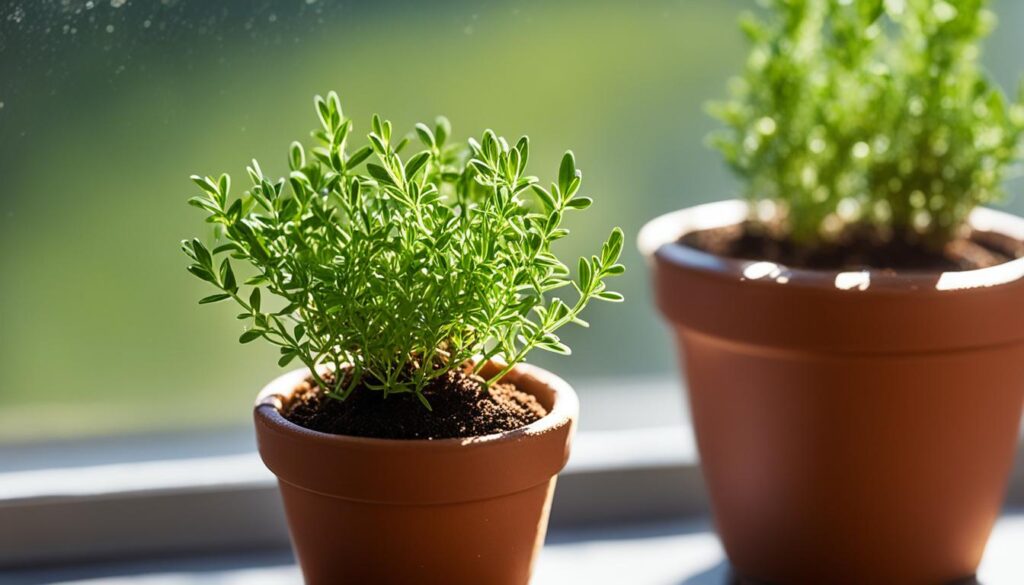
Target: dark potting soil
{"points": [[856, 251], [461, 406]]}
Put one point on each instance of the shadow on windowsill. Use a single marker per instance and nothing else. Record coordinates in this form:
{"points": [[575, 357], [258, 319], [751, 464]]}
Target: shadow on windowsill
{"points": [[722, 574]]}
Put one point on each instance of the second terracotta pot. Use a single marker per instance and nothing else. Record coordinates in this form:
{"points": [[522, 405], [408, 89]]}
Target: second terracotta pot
{"points": [[395, 512], [853, 427]]}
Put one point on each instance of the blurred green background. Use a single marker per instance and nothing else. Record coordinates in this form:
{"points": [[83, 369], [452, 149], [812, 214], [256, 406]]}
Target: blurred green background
{"points": [[107, 106]]}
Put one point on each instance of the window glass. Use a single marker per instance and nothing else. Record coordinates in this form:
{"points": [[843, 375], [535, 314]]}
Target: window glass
{"points": [[107, 106]]}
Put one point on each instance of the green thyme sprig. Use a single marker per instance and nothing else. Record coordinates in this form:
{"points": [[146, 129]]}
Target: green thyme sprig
{"points": [[400, 269], [871, 111]]}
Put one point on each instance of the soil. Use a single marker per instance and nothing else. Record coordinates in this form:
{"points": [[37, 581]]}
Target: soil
{"points": [[462, 406], [857, 250]]}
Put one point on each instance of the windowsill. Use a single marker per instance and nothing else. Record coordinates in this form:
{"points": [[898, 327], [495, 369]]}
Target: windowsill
{"points": [[683, 552], [92, 505]]}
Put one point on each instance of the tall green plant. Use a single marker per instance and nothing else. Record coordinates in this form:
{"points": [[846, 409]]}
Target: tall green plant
{"points": [[870, 111], [400, 269]]}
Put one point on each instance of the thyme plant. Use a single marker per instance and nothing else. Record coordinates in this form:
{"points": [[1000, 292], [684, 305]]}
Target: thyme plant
{"points": [[399, 269], [870, 111]]}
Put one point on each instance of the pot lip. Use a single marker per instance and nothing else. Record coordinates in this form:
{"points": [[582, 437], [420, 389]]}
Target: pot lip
{"points": [[564, 411], [658, 241]]}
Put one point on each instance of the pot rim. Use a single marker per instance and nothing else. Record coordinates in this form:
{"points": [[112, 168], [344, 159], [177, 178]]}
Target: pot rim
{"points": [[563, 411], [658, 238]]}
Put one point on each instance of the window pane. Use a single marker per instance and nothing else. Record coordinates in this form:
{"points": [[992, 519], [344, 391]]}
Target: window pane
{"points": [[106, 107]]}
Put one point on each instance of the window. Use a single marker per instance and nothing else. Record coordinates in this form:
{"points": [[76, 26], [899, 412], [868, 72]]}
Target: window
{"points": [[120, 399], [109, 106]]}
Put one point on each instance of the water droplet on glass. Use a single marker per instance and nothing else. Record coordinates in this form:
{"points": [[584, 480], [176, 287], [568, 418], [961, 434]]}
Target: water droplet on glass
{"points": [[110, 28], [146, 23], [117, 3], [272, 18], [90, 5], [17, 16]]}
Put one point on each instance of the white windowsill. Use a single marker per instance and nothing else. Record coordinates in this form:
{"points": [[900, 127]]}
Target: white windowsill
{"points": [[95, 502]]}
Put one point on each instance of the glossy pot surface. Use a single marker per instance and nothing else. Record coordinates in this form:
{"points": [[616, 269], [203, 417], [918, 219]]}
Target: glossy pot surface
{"points": [[853, 427]]}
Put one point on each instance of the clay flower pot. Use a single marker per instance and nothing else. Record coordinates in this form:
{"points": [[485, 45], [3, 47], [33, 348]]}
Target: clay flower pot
{"points": [[853, 427], [395, 512]]}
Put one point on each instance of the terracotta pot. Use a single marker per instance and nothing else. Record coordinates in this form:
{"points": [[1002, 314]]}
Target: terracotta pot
{"points": [[454, 511], [852, 427]]}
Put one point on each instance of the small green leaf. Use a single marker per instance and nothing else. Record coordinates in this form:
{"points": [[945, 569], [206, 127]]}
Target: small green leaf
{"points": [[213, 298], [297, 157], [202, 203], [202, 255], [610, 296], [254, 299], [555, 347], [442, 130], [585, 273], [359, 156], [205, 184], [423, 400], [258, 280], [416, 163], [613, 247], [580, 203], [227, 276], [202, 273], [545, 197], [615, 270], [566, 171], [250, 335], [380, 174], [426, 136], [224, 185]]}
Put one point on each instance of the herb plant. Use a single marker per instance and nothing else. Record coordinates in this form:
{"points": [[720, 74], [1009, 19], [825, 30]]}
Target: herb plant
{"points": [[398, 270], [870, 111]]}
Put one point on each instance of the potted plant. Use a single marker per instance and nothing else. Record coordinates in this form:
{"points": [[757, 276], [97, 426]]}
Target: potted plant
{"points": [[415, 446], [852, 331]]}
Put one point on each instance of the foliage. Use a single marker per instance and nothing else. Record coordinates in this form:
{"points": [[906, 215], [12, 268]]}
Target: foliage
{"points": [[402, 269], [870, 111]]}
